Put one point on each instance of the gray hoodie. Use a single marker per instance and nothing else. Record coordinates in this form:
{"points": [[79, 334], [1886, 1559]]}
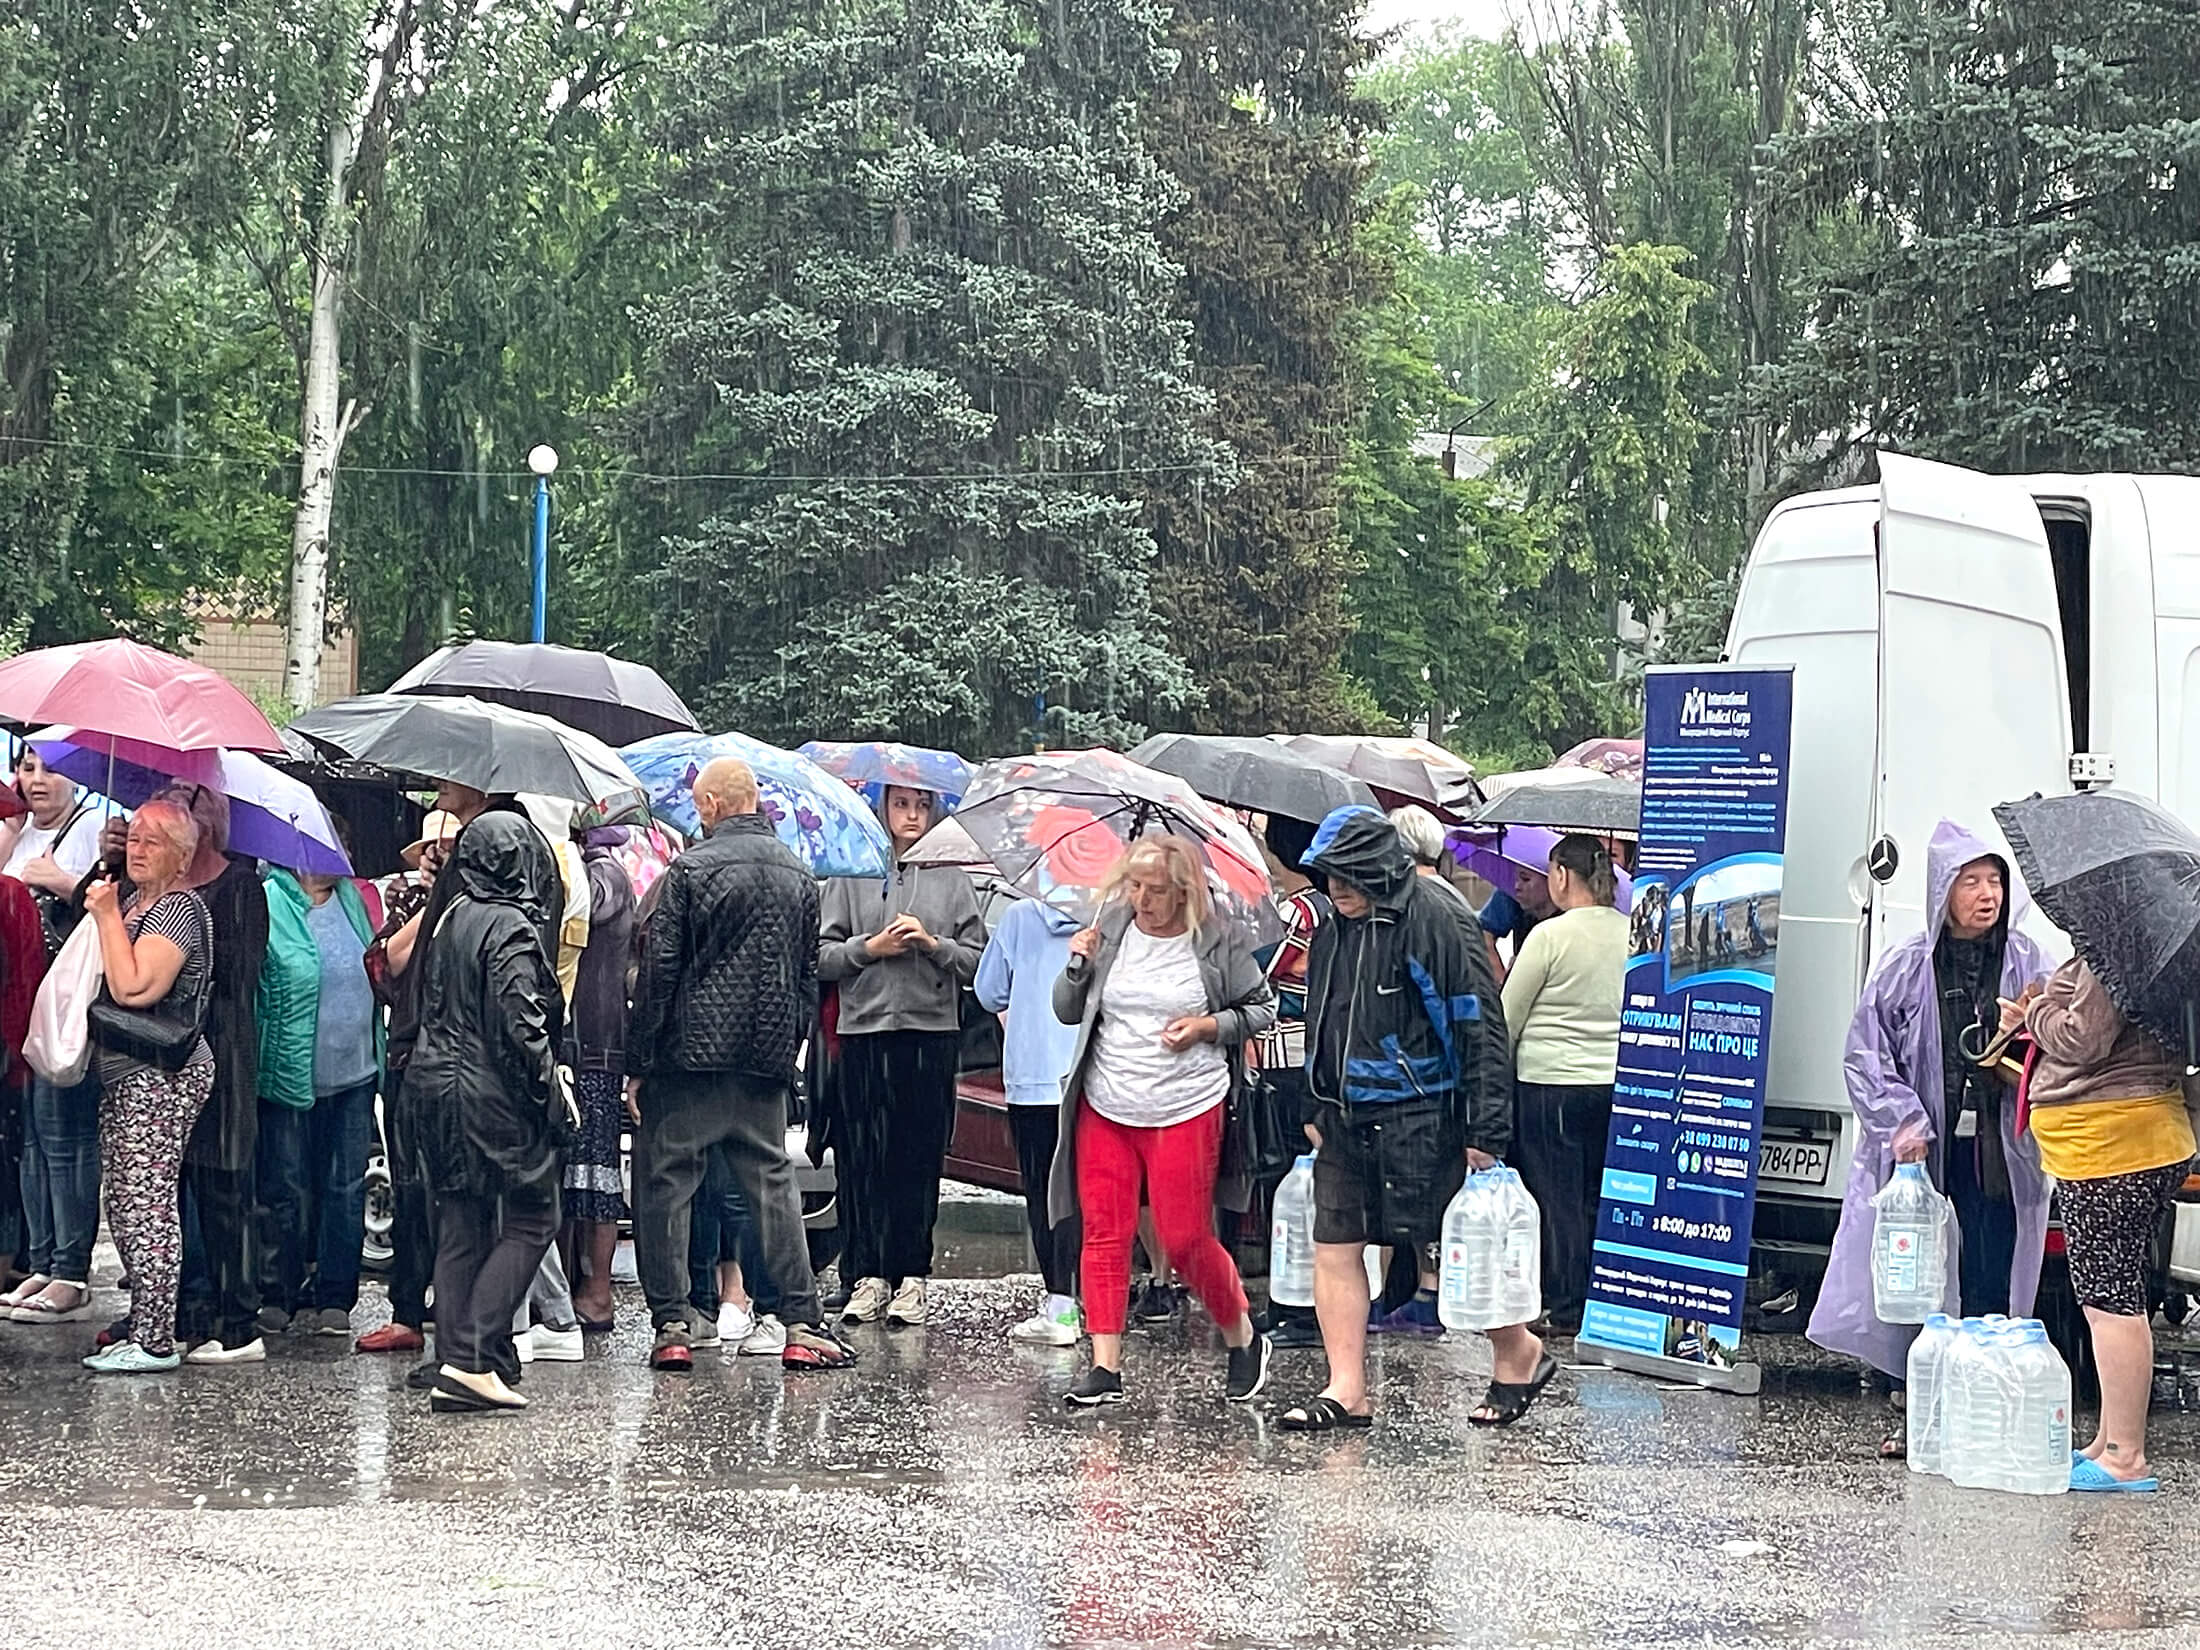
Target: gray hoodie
{"points": [[916, 991]]}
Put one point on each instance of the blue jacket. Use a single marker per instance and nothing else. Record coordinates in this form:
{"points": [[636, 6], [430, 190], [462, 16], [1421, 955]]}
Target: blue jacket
{"points": [[1024, 958]]}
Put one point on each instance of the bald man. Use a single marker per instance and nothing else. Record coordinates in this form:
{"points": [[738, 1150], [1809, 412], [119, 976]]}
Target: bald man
{"points": [[724, 997]]}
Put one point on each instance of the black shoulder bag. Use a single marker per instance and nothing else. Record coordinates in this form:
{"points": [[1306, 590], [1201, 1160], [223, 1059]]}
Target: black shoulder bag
{"points": [[164, 1034]]}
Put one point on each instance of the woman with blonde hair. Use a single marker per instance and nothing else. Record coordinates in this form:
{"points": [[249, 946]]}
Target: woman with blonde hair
{"points": [[155, 1068], [1164, 994]]}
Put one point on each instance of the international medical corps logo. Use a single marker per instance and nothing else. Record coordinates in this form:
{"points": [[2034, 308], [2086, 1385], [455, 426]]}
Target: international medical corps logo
{"points": [[1693, 704]]}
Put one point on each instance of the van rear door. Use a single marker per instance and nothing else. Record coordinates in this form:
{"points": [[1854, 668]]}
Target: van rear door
{"points": [[1974, 700]]}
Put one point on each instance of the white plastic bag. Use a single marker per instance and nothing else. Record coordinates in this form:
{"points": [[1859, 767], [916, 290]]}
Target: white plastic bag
{"points": [[59, 1043]]}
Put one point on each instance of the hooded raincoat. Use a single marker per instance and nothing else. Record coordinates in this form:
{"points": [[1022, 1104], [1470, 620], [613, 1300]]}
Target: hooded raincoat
{"points": [[1893, 1070], [481, 1088]]}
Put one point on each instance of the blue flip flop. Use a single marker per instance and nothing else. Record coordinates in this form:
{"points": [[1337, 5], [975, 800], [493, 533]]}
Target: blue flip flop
{"points": [[2087, 1476]]}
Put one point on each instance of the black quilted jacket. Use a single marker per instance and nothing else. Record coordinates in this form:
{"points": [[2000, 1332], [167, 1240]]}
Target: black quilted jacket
{"points": [[728, 977]]}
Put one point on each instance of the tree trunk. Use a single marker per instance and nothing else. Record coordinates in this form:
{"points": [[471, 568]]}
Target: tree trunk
{"points": [[324, 421]]}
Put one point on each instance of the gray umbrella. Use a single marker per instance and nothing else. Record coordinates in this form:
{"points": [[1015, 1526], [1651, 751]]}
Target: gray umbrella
{"points": [[1397, 770], [616, 700], [1258, 774], [493, 748], [1603, 806]]}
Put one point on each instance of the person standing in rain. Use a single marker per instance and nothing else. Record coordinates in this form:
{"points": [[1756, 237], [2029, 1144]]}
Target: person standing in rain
{"points": [[902, 950], [1919, 1100], [724, 996], [1407, 1063]]}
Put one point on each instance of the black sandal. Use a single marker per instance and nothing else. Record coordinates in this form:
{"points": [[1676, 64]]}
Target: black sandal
{"points": [[1323, 1414], [1509, 1400]]}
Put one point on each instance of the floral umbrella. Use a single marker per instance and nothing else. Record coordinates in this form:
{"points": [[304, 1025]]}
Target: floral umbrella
{"points": [[825, 823], [878, 763], [1056, 823]]}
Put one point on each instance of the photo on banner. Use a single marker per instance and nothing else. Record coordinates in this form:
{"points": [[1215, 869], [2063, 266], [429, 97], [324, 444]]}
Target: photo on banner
{"points": [[1669, 1267]]}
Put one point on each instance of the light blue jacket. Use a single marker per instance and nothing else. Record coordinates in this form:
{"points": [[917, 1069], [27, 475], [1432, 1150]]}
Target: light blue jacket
{"points": [[1024, 958]]}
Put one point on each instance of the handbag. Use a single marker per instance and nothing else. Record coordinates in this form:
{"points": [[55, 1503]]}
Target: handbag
{"points": [[163, 1034], [58, 1045], [2000, 1054]]}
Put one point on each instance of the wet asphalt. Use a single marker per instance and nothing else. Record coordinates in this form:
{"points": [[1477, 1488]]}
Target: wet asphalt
{"points": [[941, 1495]]}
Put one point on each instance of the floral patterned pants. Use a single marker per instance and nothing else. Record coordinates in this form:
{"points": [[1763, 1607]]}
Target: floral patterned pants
{"points": [[145, 1120]]}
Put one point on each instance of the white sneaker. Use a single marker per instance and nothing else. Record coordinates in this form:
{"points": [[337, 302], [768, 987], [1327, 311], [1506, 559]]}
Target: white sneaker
{"points": [[867, 1303], [907, 1307], [767, 1340], [524, 1344], [253, 1351], [1049, 1328], [557, 1346], [735, 1322]]}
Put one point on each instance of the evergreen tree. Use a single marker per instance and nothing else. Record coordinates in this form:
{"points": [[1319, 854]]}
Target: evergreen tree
{"points": [[932, 358], [2012, 222], [1264, 127]]}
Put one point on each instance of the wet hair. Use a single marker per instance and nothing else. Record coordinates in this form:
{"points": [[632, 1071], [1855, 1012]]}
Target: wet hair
{"points": [[1422, 833], [1590, 862], [1176, 859]]}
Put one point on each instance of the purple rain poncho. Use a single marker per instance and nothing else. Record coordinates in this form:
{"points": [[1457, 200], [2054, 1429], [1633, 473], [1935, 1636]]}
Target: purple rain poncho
{"points": [[1892, 1068]]}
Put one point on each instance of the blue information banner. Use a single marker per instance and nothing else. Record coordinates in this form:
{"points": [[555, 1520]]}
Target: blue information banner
{"points": [[1670, 1259]]}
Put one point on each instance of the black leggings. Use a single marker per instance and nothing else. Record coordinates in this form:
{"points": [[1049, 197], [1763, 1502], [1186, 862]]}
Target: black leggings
{"points": [[897, 1112], [1037, 1129], [1558, 1146]]}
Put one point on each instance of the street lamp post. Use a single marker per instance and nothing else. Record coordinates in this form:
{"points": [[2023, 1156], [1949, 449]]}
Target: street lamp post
{"points": [[543, 460]]}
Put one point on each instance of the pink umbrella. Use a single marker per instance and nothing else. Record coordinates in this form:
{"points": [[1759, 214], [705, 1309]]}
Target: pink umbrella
{"points": [[124, 690], [1621, 758]]}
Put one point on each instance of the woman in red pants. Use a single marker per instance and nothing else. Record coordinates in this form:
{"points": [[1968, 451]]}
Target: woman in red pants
{"points": [[1164, 992]]}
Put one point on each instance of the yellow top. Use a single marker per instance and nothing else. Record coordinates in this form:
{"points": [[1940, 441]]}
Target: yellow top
{"points": [[2094, 1139]]}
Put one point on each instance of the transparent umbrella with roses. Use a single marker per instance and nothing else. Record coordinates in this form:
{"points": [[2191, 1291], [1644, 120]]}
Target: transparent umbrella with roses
{"points": [[1055, 824]]}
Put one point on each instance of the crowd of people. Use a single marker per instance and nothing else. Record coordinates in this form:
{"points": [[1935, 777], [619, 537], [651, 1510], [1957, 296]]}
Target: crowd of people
{"points": [[519, 1014]]}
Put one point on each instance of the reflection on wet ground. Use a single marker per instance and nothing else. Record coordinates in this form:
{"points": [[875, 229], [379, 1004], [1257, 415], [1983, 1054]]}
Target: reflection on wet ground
{"points": [[942, 1496]]}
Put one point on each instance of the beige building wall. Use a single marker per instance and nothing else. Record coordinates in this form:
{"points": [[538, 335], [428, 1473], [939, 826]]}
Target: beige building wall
{"points": [[249, 650]]}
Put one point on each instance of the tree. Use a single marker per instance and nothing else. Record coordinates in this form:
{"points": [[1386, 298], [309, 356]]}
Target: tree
{"points": [[1265, 130], [2009, 238], [930, 357]]}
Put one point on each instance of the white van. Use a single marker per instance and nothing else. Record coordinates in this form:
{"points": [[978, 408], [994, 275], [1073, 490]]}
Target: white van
{"points": [[1958, 640]]}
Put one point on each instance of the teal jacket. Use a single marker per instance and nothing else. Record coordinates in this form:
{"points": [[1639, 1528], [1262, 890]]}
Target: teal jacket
{"points": [[290, 988]]}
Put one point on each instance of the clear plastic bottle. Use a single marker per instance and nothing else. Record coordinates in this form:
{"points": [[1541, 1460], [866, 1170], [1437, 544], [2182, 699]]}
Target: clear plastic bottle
{"points": [[1492, 1273], [1928, 1392], [2038, 1447], [1979, 1407], [1910, 1222], [1291, 1238]]}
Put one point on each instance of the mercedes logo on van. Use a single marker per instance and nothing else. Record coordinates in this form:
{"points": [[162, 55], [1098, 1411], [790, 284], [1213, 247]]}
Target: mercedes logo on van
{"points": [[1883, 860]]}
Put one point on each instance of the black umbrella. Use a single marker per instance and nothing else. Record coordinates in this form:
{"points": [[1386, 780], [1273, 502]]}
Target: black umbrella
{"points": [[493, 748], [2121, 876], [1259, 774], [618, 701], [1601, 805]]}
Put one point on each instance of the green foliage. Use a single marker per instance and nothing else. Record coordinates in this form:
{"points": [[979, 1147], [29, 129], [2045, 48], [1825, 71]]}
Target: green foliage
{"points": [[931, 345], [2010, 262]]}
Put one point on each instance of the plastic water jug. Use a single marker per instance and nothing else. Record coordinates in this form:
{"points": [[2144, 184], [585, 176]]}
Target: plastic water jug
{"points": [[1910, 1222], [1971, 1404], [2039, 1442], [1928, 1391], [1492, 1273], [1291, 1238]]}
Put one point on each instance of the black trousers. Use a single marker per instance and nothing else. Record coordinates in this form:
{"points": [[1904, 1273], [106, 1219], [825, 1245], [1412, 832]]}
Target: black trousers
{"points": [[684, 1116], [487, 1252], [1559, 1132], [897, 1115], [221, 1295], [412, 1220], [1036, 1130]]}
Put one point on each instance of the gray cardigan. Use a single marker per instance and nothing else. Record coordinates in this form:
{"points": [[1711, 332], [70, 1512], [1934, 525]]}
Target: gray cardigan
{"points": [[1238, 996], [918, 990]]}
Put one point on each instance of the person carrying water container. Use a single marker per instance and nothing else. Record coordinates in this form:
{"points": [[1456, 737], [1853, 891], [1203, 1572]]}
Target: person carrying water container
{"points": [[1410, 1070], [1918, 1099]]}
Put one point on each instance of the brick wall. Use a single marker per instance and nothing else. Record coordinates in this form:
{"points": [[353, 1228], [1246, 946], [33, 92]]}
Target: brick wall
{"points": [[250, 653]]}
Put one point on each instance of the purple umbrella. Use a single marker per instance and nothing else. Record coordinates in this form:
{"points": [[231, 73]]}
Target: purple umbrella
{"points": [[271, 815], [1499, 860]]}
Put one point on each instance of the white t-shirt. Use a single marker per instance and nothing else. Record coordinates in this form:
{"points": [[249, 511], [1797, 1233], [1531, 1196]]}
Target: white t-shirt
{"points": [[1133, 1079], [76, 852]]}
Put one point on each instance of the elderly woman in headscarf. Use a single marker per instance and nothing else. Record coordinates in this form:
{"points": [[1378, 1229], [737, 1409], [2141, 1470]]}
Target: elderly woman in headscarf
{"points": [[1919, 1099]]}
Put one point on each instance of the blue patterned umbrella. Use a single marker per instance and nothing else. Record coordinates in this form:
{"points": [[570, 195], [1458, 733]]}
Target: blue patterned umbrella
{"points": [[877, 763], [825, 823]]}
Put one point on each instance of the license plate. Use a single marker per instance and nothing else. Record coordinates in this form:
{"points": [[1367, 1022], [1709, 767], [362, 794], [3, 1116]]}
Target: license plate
{"points": [[1795, 1162]]}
